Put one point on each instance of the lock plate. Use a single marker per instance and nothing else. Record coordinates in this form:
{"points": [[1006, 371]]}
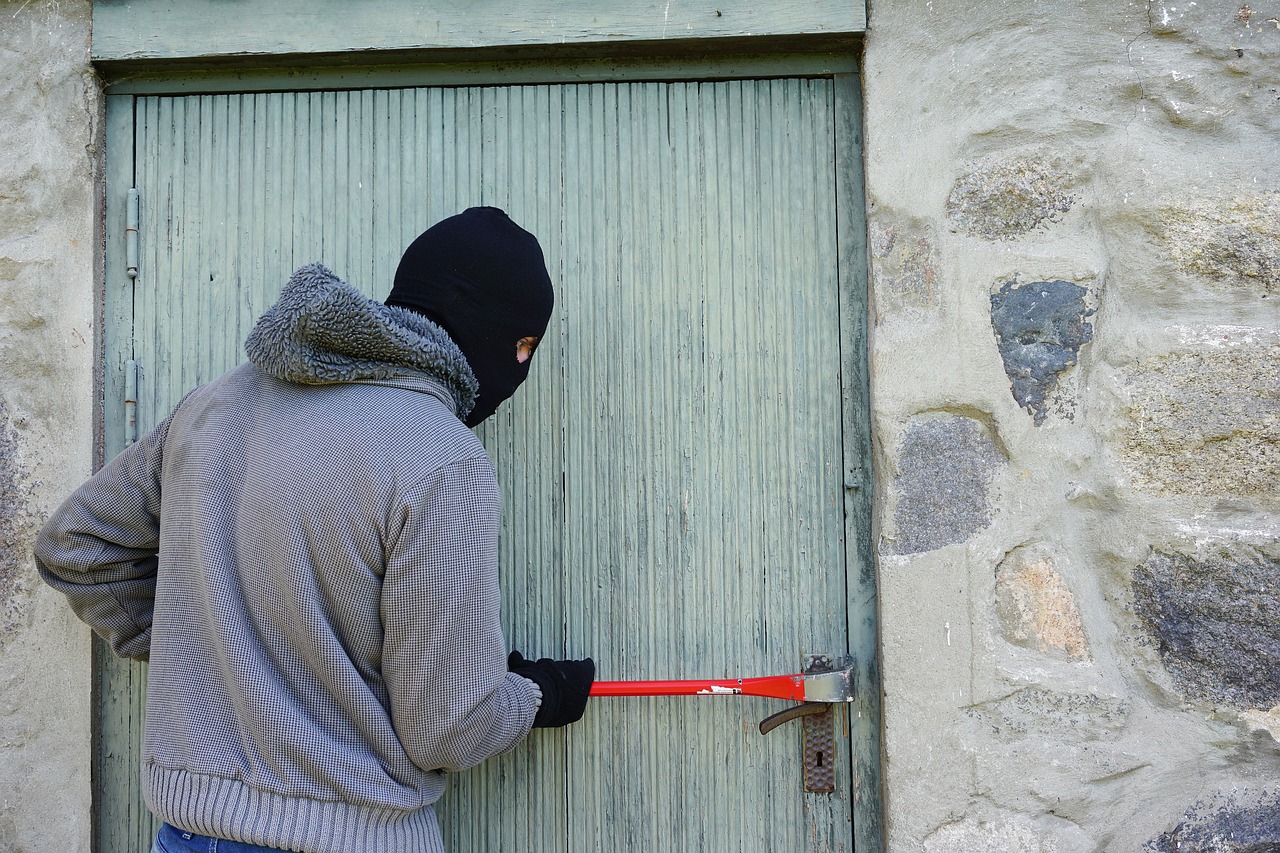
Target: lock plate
{"points": [[820, 739], [820, 752]]}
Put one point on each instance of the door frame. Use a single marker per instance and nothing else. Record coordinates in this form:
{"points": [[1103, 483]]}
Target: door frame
{"points": [[116, 312]]}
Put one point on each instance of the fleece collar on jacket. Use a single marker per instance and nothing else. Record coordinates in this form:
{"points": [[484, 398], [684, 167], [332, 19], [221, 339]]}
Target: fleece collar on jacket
{"points": [[323, 331]]}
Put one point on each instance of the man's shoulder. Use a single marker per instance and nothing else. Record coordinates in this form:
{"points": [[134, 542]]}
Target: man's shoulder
{"points": [[415, 432], [391, 422]]}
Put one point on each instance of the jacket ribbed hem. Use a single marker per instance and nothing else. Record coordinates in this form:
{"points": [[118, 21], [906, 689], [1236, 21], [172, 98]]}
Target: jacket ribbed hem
{"points": [[230, 809]]}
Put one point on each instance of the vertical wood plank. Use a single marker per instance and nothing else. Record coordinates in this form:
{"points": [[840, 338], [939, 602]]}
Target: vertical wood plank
{"points": [[516, 801], [117, 294], [120, 821], [638, 620], [858, 475]]}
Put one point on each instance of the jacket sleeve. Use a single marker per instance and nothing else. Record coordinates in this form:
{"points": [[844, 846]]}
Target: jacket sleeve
{"points": [[100, 547], [453, 703]]}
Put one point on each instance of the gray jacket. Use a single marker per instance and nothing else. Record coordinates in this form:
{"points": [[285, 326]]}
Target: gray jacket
{"points": [[306, 551]]}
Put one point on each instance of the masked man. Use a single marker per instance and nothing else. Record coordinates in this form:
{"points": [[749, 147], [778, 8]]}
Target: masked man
{"points": [[306, 552]]}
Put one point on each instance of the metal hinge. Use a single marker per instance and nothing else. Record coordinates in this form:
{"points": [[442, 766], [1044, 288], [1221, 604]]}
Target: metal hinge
{"points": [[130, 402], [131, 234]]}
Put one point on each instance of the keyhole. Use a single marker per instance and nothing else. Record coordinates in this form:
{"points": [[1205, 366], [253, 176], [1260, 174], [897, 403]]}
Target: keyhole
{"points": [[819, 759]]}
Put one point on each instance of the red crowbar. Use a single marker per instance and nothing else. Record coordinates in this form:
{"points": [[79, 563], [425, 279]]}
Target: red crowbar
{"points": [[834, 686]]}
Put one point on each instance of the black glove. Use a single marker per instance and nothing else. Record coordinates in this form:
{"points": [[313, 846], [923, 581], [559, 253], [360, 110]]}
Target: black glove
{"points": [[565, 685]]}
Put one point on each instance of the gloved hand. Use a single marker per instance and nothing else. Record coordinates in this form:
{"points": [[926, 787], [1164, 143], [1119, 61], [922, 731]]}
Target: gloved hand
{"points": [[565, 685]]}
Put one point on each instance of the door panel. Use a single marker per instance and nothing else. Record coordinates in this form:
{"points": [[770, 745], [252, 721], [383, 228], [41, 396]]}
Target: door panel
{"points": [[672, 473]]}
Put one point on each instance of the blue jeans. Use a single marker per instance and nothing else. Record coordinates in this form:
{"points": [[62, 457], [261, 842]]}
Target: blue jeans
{"points": [[173, 840]]}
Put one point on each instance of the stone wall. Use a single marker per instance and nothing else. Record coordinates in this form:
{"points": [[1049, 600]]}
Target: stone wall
{"points": [[50, 164], [1074, 214]]}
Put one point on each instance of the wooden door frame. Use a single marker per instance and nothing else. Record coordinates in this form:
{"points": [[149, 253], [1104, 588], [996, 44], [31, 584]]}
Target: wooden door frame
{"points": [[116, 309]]}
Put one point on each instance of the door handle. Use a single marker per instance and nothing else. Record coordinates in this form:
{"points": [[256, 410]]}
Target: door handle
{"points": [[819, 735]]}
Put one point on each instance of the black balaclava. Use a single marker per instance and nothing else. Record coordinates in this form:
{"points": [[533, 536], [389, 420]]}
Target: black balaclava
{"points": [[484, 280]]}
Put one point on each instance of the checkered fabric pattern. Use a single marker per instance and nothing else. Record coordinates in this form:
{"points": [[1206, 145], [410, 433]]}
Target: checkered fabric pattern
{"points": [[312, 571]]}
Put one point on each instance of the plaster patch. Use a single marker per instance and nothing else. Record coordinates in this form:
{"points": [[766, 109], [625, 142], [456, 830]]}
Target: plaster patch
{"points": [[19, 211], [1264, 721], [1040, 327], [946, 464], [1234, 822], [17, 528], [1009, 198], [1067, 717], [972, 836], [1037, 610], [1213, 618], [1231, 240], [1205, 422]]}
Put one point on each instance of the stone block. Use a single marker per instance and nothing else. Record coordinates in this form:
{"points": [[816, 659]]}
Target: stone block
{"points": [[1232, 240], [946, 464], [904, 263], [1206, 422], [1036, 609], [1040, 327], [1232, 822], [1213, 619], [1005, 199]]}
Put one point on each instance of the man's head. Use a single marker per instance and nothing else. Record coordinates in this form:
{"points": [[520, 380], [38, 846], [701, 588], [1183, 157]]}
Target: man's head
{"points": [[483, 279]]}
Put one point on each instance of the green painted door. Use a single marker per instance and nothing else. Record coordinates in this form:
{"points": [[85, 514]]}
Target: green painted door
{"points": [[682, 482]]}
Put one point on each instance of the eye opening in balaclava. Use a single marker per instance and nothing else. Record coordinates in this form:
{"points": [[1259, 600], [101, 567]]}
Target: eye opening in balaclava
{"points": [[483, 279]]}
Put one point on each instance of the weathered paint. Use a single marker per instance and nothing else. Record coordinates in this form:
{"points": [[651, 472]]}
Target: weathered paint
{"points": [[205, 29], [121, 820], [861, 596], [674, 472], [751, 59]]}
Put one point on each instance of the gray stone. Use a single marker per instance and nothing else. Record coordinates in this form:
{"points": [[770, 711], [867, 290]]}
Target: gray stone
{"points": [[1214, 619], [1234, 240], [1226, 825], [1228, 238], [1040, 327], [945, 467], [1003, 200], [1206, 422]]}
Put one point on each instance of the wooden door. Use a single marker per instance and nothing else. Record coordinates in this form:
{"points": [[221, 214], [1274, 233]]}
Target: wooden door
{"points": [[680, 475]]}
